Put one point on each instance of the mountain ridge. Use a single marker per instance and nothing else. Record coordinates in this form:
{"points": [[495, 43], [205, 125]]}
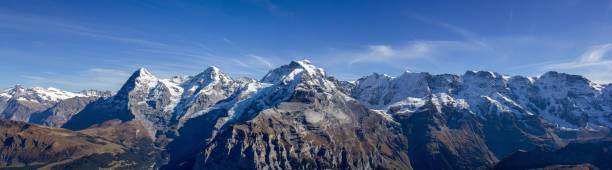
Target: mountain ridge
{"points": [[464, 121]]}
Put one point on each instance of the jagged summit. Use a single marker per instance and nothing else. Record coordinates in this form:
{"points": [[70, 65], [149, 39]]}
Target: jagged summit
{"points": [[143, 72], [12, 88], [484, 75], [209, 75], [311, 69], [140, 78], [293, 71], [212, 70], [570, 78], [17, 86], [382, 75]]}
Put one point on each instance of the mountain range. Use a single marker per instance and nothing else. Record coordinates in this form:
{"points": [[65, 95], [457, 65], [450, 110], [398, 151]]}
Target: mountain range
{"points": [[298, 117]]}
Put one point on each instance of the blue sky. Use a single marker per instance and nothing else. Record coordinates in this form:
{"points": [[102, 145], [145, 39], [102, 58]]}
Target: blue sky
{"points": [[77, 45]]}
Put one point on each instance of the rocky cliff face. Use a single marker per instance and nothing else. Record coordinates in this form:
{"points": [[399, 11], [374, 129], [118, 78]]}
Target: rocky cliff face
{"points": [[300, 120]]}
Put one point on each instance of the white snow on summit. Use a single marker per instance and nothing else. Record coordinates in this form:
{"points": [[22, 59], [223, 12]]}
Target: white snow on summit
{"points": [[40, 94]]}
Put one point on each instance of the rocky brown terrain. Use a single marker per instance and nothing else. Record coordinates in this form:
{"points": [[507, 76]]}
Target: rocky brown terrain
{"points": [[585, 154], [112, 145]]}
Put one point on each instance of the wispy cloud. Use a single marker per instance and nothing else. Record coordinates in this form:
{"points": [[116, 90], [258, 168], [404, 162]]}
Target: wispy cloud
{"points": [[37, 78], [109, 72], [261, 60], [386, 53], [25, 22], [166, 57], [609, 8], [240, 63], [38, 81], [182, 52], [94, 78], [592, 57], [131, 40], [465, 33], [30, 22], [423, 51], [591, 63], [227, 40], [273, 8]]}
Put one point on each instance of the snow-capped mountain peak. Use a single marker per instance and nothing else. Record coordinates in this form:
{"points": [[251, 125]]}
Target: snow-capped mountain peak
{"points": [[293, 71], [143, 72], [145, 78], [311, 69], [9, 92], [211, 74], [140, 79], [44, 95], [19, 103]]}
